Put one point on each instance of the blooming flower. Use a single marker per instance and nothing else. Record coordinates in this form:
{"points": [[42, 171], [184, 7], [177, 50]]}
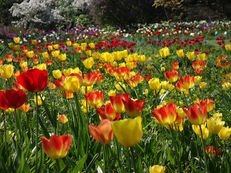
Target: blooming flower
{"points": [[171, 76], [56, 146], [117, 102], [157, 169], [95, 98], [33, 80], [133, 107], [103, 132], [128, 132], [62, 118]]}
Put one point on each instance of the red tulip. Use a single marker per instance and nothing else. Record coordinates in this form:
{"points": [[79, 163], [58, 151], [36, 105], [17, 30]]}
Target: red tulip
{"points": [[197, 113], [171, 76], [15, 98], [33, 80], [117, 102], [56, 146], [95, 98], [133, 107], [3, 101], [107, 112]]}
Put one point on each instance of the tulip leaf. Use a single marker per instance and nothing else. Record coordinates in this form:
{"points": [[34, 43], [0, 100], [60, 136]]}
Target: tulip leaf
{"points": [[80, 164]]}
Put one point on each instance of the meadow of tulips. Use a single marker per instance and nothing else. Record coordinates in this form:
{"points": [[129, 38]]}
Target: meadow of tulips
{"points": [[155, 99]]}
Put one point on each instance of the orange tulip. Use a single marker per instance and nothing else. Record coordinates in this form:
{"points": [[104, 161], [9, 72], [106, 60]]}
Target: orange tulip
{"points": [[107, 112], [95, 98], [197, 113], [185, 83], [102, 133], [117, 102], [57, 146], [171, 76]]}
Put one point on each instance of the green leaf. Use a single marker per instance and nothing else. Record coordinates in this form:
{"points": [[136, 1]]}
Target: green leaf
{"points": [[80, 164]]}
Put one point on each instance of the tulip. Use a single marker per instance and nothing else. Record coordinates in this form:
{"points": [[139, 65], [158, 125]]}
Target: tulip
{"points": [[102, 133], [89, 79], [198, 66], [15, 98], [6, 71], [171, 76], [33, 80], [107, 112], [213, 151], [57, 74], [16, 40], [71, 84], [164, 52], [215, 123], [185, 83], [30, 54], [154, 84], [201, 57], [201, 131], [117, 102], [133, 107], [95, 98], [88, 63], [180, 53], [157, 169], [62, 118], [3, 101], [128, 132], [228, 47], [166, 115], [197, 113], [57, 146], [224, 133], [190, 55], [175, 65]]}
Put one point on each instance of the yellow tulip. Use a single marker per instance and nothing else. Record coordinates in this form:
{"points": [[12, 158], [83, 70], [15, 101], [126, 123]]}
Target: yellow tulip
{"points": [[83, 46], [154, 84], [55, 53], [45, 55], [42, 66], [88, 63], [197, 129], [57, 74], [6, 71], [16, 40], [215, 123], [224, 133], [128, 132], [228, 47], [40, 100], [164, 52], [50, 47], [201, 57], [157, 169], [190, 55], [68, 43], [91, 45], [30, 54], [56, 46], [63, 57], [180, 53], [71, 84]]}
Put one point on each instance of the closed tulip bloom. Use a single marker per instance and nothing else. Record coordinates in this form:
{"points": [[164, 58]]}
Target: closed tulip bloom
{"points": [[103, 132], [89, 79], [95, 98], [134, 107], [228, 47], [71, 84], [62, 118], [165, 115], [197, 113], [33, 80], [57, 146], [201, 57], [209, 102], [107, 112], [175, 65], [6, 71], [171, 76], [198, 66], [215, 123], [88, 63], [30, 54], [201, 131], [154, 84], [180, 53], [224, 133], [128, 132], [157, 169], [16, 40], [190, 55], [164, 52], [117, 102], [57, 74]]}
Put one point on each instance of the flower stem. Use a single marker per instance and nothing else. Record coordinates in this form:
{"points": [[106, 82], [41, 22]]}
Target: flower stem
{"points": [[203, 146], [37, 128]]}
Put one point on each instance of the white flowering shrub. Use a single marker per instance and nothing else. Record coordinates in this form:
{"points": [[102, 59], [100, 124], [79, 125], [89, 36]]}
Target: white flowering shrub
{"points": [[45, 12]]}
